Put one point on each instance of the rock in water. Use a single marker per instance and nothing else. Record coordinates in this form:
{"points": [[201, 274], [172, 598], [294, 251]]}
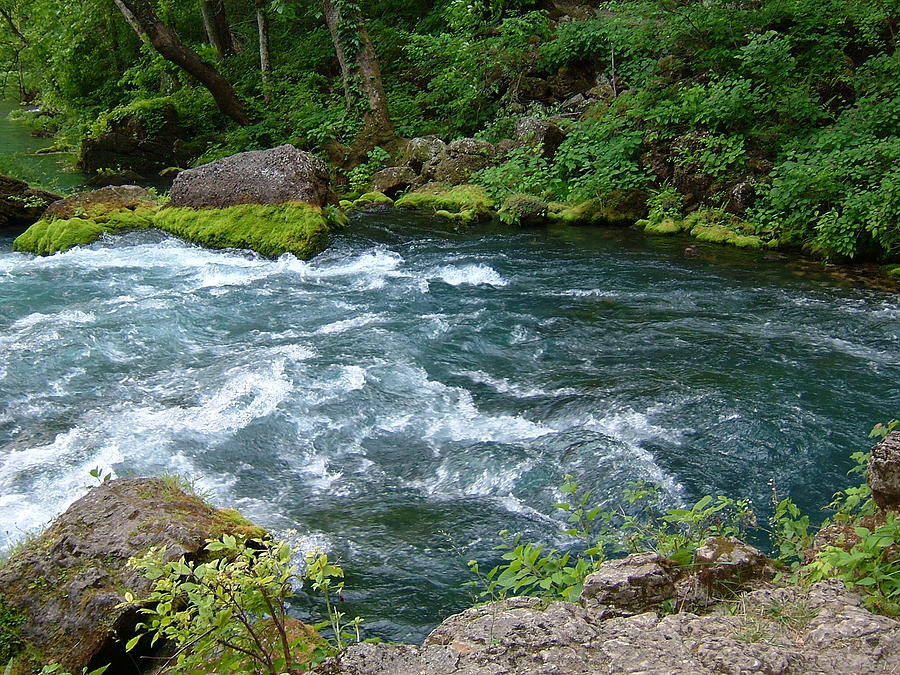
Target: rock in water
{"points": [[282, 174], [65, 587], [20, 204]]}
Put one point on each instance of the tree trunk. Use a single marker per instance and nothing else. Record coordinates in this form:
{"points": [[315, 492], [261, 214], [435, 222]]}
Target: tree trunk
{"points": [[363, 62], [165, 40], [218, 31], [265, 58]]}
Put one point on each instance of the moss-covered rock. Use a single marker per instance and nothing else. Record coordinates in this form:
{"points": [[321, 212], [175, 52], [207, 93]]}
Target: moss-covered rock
{"points": [[665, 226], [465, 203], [718, 227], [270, 230], [53, 235], [618, 209], [523, 210], [367, 200], [63, 591]]}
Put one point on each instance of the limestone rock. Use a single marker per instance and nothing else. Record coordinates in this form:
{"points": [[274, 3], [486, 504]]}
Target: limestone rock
{"points": [[68, 583], [884, 472], [725, 565], [457, 170], [282, 174], [20, 204], [392, 180], [470, 146], [546, 135], [629, 585], [778, 631]]}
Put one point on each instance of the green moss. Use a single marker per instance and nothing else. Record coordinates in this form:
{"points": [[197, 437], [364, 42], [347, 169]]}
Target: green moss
{"points": [[270, 230], [719, 234], [52, 235], [665, 226], [467, 202], [10, 631], [373, 198], [229, 521], [892, 271]]}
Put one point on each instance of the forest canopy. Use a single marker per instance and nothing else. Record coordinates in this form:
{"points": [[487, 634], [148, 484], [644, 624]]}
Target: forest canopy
{"points": [[781, 115]]}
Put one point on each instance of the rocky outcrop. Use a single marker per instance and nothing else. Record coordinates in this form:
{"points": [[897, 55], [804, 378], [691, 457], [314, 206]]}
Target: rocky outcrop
{"points": [[275, 176], [132, 143], [83, 218], [464, 157], [776, 630], [630, 585], [884, 472], [393, 180], [21, 204], [68, 584], [543, 134]]}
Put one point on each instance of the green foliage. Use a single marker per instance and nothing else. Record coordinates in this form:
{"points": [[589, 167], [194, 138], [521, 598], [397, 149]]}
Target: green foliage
{"points": [[639, 524], [328, 579], [360, 175], [228, 613], [10, 631]]}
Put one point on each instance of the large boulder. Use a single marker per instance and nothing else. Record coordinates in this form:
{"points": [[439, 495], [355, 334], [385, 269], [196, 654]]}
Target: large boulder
{"points": [[630, 585], [884, 472], [464, 157], [67, 587], [83, 218], [275, 176], [543, 134], [393, 180], [20, 204], [423, 153], [143, 142]]}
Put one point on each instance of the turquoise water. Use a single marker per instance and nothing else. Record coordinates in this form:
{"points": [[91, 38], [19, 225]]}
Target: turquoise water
{"points": [[406, 394]]}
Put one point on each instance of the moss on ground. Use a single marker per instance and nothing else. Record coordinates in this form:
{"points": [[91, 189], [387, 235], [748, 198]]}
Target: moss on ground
{"points": [[11, 621], [464, 203]]}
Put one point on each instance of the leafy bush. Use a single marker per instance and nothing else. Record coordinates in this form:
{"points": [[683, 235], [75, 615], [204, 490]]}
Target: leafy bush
{"points": [[230, 612]]}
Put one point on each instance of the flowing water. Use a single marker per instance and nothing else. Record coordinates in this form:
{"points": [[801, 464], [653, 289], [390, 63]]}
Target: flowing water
{"points": [[405, 395]]}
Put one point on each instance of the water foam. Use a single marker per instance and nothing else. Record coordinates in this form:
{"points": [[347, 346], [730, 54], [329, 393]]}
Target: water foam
{"points": [[468, 275]]}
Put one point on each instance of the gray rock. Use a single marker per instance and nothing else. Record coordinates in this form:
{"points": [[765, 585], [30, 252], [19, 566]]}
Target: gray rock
{"points": [[457, 170], [392, 180], [20, 204], [108, 199], [470, 146], [629, 585], [777, 630], [69, 583], [423, 151], [546, 135], [275, 176], [884, 472], [725, 566]]}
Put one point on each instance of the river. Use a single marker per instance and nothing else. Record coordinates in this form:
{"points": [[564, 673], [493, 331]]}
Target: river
{"points": [[413, 390]]}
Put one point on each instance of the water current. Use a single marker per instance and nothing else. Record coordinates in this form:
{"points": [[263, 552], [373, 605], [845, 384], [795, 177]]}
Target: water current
{"points": [[408, 393]]}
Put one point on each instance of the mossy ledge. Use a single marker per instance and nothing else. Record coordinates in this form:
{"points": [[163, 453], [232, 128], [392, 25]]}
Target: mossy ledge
{"points": [[270, 230], [709, 225], [463, 203]]}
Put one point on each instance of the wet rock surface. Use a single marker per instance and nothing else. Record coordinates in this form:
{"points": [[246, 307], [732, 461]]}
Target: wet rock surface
{"points": [[109, 198], [282, 174]]}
